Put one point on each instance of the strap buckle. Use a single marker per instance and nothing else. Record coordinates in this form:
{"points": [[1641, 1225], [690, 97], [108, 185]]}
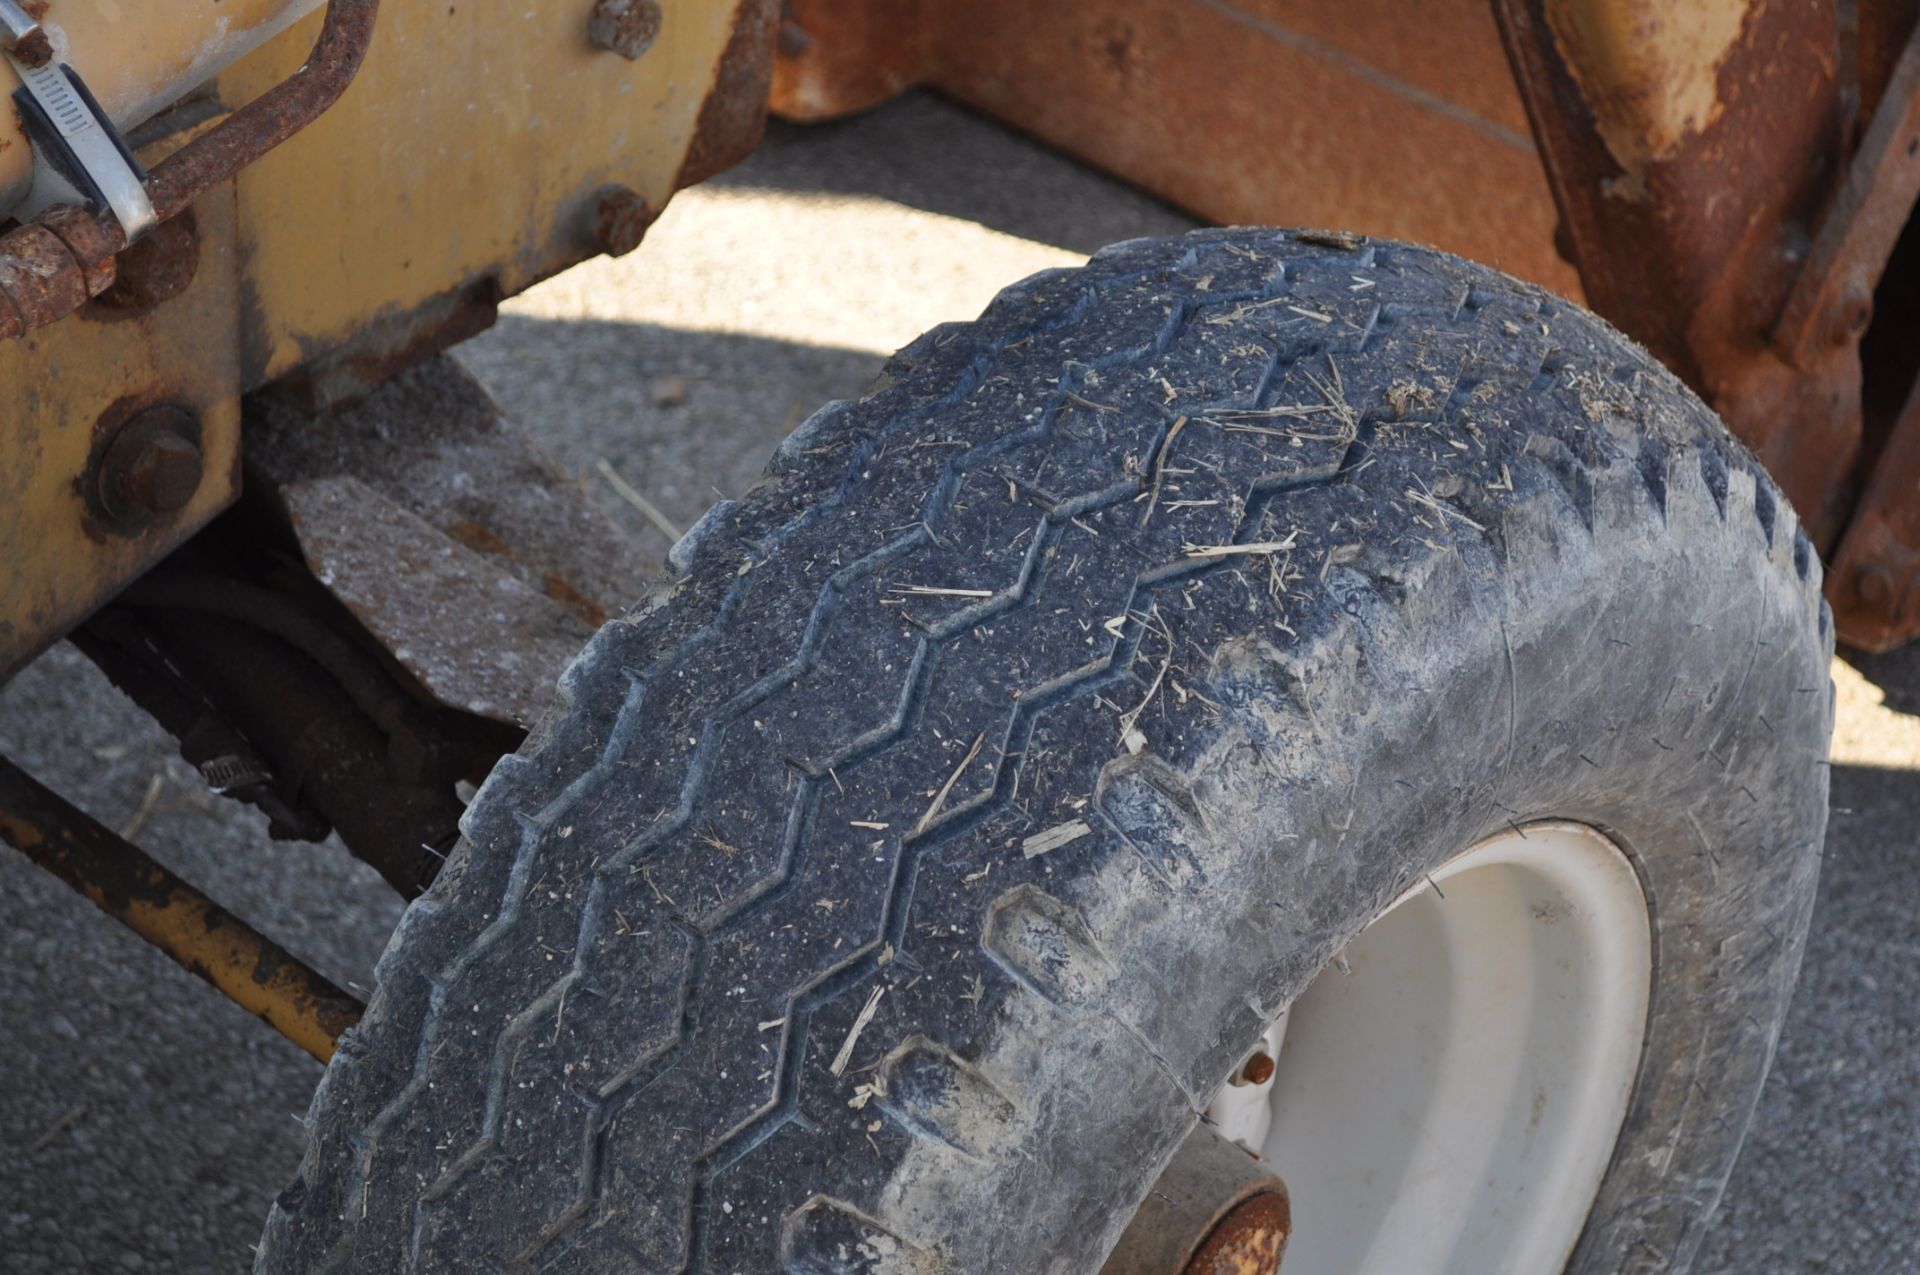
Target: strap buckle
{"points": [[78, 155]]}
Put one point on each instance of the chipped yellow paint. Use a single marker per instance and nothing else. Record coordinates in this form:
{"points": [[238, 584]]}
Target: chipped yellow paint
{"points": [[187, 927], [1649, 69], [138, 58], [57, 383], [472, 144], [470, 149]]}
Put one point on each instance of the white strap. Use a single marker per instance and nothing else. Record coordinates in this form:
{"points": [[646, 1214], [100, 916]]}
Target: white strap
{"points": [[93, 143]]}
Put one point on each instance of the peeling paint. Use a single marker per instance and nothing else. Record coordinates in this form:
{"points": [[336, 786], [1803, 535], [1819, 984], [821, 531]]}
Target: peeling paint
{"points": [[1650, 71]]}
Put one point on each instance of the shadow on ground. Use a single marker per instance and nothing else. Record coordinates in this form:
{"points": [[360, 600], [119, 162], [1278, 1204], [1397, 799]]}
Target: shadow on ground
{"points": [[987, 174], [687, 418]]}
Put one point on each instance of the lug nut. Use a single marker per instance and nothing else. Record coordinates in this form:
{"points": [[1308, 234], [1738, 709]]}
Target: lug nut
{"points": [[626, 27], [151, 468]]}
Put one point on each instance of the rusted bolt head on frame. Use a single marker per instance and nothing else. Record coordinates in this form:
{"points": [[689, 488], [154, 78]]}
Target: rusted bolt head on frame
{"points": [[1852, 312], [151, 467], [1873, 586], [626, 27], [158, 268], [620, 220]]}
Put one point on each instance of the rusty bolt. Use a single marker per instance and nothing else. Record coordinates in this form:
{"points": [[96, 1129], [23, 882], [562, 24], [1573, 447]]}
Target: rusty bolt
{"points": [[158, 268], [626, 27], [1250, 1240], [620, 220], [1259, 1069], [793, 40], [1852, 313], [151, 467], [1873, 586]]}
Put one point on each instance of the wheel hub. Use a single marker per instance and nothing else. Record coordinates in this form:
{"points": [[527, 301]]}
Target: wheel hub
{"points": [[1445, 1097], [1216, 1210], [1249, 1240]]}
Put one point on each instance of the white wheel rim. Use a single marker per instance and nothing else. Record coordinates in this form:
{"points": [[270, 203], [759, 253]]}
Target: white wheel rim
{"points": [[1450, 1102]]}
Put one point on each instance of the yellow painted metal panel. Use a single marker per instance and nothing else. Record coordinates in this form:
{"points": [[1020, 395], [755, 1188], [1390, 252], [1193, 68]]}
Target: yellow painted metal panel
{"points": [[472, 145], [469, 153], [138, 56], [59, 563]]}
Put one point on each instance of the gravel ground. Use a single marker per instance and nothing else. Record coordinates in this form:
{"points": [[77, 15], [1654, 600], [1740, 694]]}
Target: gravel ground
{"points": [[145, 1122]]}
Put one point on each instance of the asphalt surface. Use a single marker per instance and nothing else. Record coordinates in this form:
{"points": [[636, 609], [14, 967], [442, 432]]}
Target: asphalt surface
{"points": [[145, 1123]]}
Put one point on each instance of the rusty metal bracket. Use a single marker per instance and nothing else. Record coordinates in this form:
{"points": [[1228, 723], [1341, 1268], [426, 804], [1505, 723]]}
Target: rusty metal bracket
{"points": [[52, 266], [1832, 299], [126, 884], [1874, 580], [1688, 154], [274, 116]]}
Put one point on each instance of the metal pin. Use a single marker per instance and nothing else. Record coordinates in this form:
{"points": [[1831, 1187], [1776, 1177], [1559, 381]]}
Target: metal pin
{"points": [[16, 25]]}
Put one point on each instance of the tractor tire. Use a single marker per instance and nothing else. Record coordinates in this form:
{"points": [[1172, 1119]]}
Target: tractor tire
{"points": [[895, 890]]}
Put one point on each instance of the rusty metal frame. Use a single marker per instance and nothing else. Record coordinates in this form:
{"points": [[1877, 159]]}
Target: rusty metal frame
{"points": [[1362, 116], [346, 253], [56, 264], [1874, 576], [1687, 229]]}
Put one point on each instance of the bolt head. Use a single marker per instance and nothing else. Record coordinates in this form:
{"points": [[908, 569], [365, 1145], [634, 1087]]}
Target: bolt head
{"points": [[1873, 586], [158, 268], [620, 220], [626, 27], [151, 468], [1852, 313]]}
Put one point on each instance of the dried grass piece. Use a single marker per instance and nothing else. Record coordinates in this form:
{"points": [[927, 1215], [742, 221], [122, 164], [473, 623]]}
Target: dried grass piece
{"points": [[1061, 834], [867, 1011]]}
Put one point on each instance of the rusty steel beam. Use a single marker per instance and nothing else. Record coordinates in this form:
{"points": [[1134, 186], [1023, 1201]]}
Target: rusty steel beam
{"points": [[1290, 112], [1832, 300], [1690, 150], [1874, 580], [127, 885]]}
